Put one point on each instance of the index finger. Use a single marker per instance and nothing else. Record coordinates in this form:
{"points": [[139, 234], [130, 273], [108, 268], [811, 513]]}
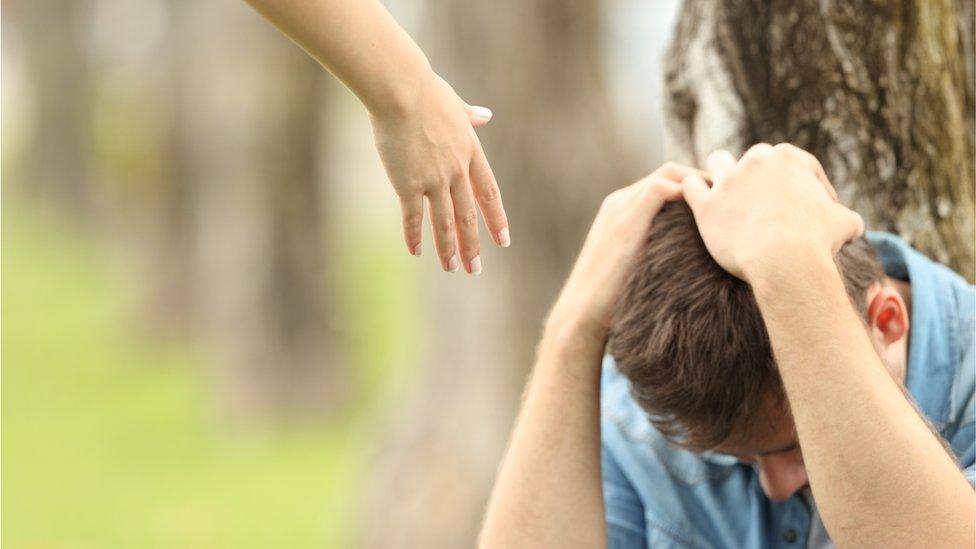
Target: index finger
{"points": [[720, 163], [677, 172]]}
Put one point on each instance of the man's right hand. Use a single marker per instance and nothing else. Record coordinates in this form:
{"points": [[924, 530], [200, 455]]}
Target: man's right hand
{"points": [[590, 293], [549, 490]]}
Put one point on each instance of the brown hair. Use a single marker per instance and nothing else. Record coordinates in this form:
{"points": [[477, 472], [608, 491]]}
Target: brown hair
{"points": [[689, 336]]}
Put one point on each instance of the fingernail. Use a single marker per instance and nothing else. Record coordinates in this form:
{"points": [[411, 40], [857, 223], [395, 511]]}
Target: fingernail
{"points": [[417, 250], [504, 240], [482, 112], [476, 265], [453, 265]]}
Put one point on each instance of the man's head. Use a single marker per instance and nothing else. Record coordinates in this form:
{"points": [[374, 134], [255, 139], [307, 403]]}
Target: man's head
{"points": [[691, 341]]}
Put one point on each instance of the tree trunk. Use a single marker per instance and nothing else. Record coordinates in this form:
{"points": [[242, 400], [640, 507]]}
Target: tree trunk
{"points": [[247, 153], [57, 166], [880, 92], [555, 152]]}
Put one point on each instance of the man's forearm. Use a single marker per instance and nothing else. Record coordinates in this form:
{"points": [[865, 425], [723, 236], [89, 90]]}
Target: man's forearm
{"points": [[360, 43], [549, 491], [880, 476]]}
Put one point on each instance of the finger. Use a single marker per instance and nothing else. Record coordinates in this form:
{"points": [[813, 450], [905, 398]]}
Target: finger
{"points": [[850, 226], [412, 210], [719, 163], [489, 198], [466, 221], [695, 191], [657, 191], [479, 116], [676, 172], [818, 170], [756, 151], [442, 220]]}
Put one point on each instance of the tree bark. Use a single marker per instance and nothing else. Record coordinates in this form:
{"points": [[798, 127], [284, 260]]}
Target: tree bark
{"points": [[880, 92]]}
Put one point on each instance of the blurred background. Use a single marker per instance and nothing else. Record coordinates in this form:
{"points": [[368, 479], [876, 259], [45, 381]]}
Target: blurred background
{"points": [[212, 333]]}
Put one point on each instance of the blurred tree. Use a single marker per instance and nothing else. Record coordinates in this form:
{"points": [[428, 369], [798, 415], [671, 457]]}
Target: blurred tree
{"points": [[189, 137], [243, 213], [57, 63], [880, 92], [556, 152]]}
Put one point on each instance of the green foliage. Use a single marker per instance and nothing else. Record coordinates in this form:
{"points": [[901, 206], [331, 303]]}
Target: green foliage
{"points": [[110, 443]]}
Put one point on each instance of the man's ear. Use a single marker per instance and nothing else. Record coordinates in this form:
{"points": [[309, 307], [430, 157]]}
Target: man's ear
{"points": [[888, 315]]}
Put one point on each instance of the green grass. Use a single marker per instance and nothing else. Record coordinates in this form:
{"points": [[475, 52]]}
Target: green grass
{"points": [[108, 443]]}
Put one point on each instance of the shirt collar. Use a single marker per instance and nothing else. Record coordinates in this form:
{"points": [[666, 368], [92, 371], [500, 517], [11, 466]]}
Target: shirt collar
{"points": [[932, 343]]}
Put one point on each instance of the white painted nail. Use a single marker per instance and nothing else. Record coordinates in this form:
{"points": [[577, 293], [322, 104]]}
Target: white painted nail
{"points": [[476, 265], [418, 249], [481, 112], [453, 265], [504, 240]]}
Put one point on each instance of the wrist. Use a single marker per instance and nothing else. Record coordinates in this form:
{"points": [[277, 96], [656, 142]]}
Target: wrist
{"points": [[795, 273], [403, 93], [793, 263], [572, 327]]}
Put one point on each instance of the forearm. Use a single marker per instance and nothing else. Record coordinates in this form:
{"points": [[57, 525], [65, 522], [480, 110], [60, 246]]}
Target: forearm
{"points": [[360, 43], [880, 476], [549, 491]]}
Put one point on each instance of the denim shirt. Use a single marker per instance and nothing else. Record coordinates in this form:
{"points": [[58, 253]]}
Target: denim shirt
{"points": [[660, 496]]}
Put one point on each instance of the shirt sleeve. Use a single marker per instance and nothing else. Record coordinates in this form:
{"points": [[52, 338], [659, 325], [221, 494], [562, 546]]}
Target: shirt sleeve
{"points": [[624, 512]]}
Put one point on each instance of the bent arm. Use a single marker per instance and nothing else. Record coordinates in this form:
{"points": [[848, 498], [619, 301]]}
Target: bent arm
{"points": [[549, 491], [360, 43], [880, 476]]}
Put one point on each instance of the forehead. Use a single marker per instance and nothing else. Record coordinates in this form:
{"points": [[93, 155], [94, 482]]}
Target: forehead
{"points": [[770, 429]]}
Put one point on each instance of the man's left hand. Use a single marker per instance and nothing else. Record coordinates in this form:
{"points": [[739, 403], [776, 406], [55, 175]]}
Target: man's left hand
{"points": [[771, 209]]}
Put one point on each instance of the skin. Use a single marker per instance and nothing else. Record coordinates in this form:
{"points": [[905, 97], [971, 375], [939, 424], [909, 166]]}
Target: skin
{"points": [[879, 475], [772, 445], [423, 131]]}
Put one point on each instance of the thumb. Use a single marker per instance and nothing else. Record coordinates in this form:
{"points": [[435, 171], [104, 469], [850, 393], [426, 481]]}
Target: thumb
{"points": [[479, 116], [850, 226], [695, 190]]}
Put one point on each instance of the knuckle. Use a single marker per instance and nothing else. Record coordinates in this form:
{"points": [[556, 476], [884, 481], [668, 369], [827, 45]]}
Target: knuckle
{"points": [[445, 225], [785, 149], [490, 192], [670, 166], [469, 219], [413, 221], [758, 148], [457, 172], [655, 186], [409, 189]]}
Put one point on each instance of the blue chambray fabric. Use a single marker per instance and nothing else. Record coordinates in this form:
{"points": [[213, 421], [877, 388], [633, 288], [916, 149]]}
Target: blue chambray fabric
{"points": [[660, 496]]}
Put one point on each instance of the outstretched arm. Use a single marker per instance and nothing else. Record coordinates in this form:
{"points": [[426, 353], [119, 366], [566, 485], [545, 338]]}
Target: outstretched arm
{"points": [[423, 130], [549, 491], [879, 475]]}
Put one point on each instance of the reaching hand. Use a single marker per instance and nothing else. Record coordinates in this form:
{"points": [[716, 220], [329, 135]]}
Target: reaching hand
{"points": [[774, 206], [608, 254], [432, 152]]}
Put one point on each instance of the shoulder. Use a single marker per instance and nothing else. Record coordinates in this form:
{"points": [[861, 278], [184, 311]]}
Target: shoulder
{"points": [[675, 490], [942, 350]]}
